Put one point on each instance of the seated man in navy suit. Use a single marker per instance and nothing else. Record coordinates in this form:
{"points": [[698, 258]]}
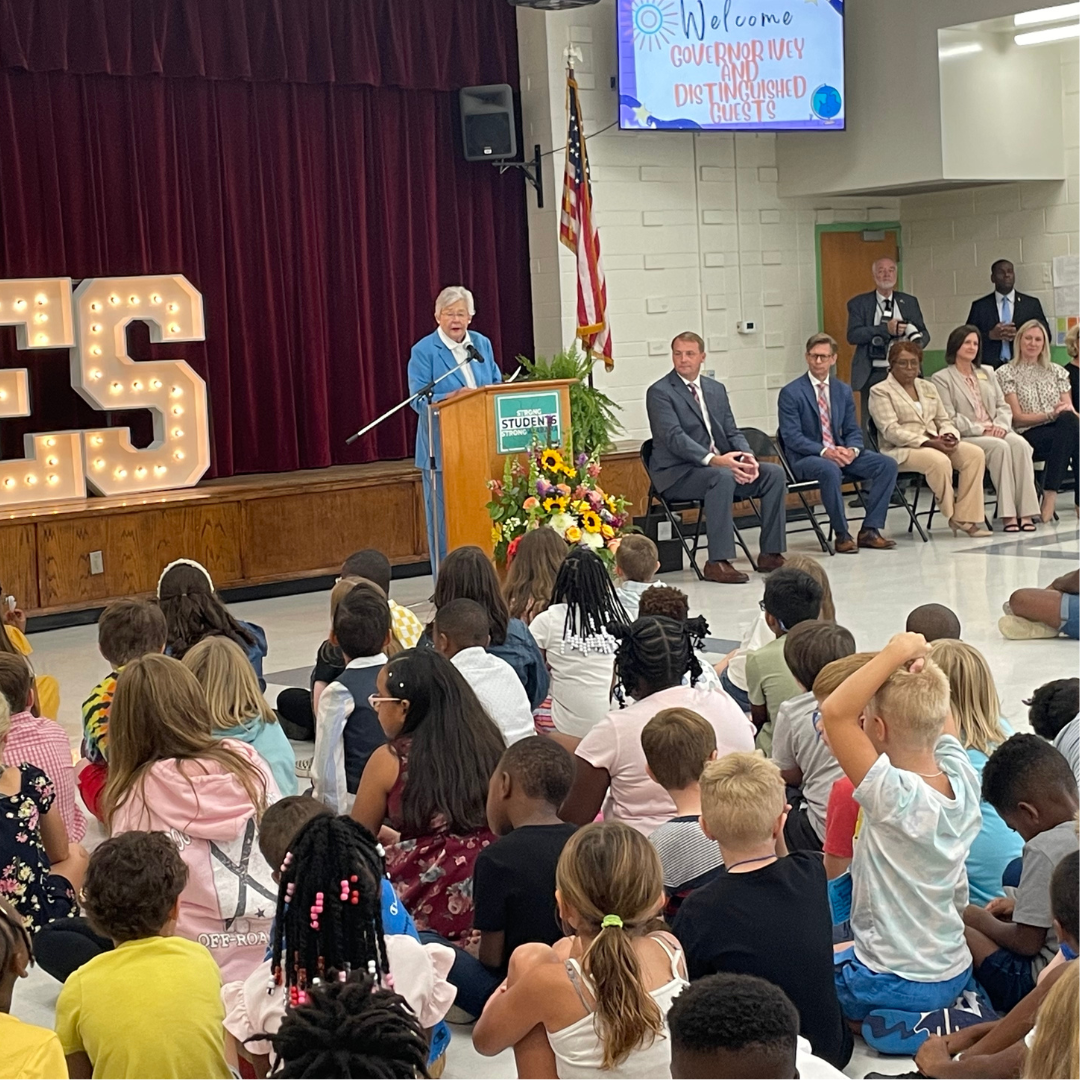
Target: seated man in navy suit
{"points": [[822, 442], [699, 453]]}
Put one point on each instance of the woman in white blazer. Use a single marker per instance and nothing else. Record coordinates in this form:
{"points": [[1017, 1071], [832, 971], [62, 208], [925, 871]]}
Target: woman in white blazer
{"points": [[914, 428], [976, 405]]}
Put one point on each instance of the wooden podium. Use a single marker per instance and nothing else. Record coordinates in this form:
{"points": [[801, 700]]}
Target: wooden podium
{"points": [[479, 430]]}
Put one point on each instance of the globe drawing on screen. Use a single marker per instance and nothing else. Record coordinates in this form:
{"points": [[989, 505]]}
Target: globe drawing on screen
{"points": [[826, 102], [654, 23]]}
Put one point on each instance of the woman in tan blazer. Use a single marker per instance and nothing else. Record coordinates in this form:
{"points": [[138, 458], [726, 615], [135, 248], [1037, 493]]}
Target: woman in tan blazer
{"points": [[914, 428], [976, 405]]}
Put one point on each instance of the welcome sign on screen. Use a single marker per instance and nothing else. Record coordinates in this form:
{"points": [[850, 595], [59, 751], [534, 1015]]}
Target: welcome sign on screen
{"points": [[731, 65]]}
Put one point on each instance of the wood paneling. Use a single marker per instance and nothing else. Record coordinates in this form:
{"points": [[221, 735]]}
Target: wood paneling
{"points": [[18, 565]]}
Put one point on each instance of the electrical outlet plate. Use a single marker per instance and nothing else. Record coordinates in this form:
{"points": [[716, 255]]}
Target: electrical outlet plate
{"points": [[97, 565]]}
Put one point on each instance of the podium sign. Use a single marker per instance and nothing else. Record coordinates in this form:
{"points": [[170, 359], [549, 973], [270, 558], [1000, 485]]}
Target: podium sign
{"points": [[520, 417]]}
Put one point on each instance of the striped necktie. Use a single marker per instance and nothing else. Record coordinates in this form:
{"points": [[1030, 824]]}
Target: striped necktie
{"points": [[704, 416], [823, 412]]}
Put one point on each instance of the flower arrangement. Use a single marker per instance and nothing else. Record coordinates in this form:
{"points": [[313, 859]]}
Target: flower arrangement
{"points": [[563, 494]]}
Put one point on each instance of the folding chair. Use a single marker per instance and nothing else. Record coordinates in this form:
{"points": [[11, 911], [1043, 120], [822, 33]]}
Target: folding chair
{"points": [[909, 475], [764, 446], [674, 508]]}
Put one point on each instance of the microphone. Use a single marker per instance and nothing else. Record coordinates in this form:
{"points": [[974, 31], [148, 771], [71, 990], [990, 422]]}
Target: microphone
{"points": [[472, 354]]}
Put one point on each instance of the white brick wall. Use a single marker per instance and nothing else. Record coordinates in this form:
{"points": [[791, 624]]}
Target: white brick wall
{"points": [[950, 238]]}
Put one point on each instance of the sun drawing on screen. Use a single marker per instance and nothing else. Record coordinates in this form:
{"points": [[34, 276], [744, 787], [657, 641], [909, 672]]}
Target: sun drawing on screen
{"points": [[655, 22]]}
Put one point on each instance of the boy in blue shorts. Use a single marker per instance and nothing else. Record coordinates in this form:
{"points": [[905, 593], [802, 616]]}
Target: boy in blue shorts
{"points": [[889, 726]]}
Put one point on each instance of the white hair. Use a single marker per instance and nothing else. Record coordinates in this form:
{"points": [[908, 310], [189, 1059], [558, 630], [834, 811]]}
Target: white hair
{"points": [[451, 295]]}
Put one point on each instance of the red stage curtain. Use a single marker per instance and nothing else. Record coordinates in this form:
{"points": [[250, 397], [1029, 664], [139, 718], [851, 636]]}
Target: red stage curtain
{"points": [[318, 221]]}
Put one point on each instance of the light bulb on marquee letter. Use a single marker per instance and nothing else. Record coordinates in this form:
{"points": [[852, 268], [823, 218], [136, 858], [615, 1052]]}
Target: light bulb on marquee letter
{"points": [[103, 308], [24, 303]]}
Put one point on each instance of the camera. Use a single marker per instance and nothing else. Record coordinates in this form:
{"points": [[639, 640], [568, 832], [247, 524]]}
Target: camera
{"points": [[878, 347]]}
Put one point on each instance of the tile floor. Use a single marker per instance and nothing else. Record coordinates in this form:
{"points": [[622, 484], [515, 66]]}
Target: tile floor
{"points": [[873, 591]]}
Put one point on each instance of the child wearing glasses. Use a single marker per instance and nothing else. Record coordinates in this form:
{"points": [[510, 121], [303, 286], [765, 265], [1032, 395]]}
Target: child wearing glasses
{"points": [[791, 597], [806, 763]]}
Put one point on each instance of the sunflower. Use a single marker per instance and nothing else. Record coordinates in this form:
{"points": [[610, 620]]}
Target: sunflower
{"points": [[591, 521], [552, 460], [554, 505]]}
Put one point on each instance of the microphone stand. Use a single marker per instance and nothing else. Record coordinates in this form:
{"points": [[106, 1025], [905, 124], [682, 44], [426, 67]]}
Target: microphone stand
{"points": [[425, 391]]}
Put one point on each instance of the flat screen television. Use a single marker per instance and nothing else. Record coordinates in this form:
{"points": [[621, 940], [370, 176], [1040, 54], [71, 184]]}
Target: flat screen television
{"points": [[731, 65]]}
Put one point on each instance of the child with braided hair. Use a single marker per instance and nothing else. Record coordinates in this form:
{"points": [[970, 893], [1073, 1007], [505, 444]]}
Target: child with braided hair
{"points": [[333, 920], [577, 648], [25, 1049], [653, 656], [595, 1003], [351, 1028]]}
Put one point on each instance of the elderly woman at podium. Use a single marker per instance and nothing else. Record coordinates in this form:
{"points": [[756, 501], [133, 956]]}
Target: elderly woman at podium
{"points": [[450, 347]]}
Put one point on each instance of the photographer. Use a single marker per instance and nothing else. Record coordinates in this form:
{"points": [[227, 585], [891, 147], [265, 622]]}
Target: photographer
{"points": [[875, 320]]}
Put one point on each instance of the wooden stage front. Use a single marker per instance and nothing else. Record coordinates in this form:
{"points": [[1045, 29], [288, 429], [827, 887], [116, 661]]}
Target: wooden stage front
{"points": [[247, 530]]}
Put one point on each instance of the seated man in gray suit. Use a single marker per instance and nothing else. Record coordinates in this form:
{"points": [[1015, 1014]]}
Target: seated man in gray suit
{"points": [[875, 320], [699, 453]]}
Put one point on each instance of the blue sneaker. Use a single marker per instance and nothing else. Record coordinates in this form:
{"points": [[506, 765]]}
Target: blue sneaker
{"points": [[893, 1031]]}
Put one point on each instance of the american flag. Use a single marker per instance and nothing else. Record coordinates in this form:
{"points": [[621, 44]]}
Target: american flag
{"points": [[578, 233]]}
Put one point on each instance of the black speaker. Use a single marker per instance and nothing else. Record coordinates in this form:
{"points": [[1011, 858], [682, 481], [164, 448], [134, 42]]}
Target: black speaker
{"points": [[487, 122]]}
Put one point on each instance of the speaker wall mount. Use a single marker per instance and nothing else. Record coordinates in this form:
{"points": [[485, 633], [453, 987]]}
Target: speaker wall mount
{"points": [[489, 133]]}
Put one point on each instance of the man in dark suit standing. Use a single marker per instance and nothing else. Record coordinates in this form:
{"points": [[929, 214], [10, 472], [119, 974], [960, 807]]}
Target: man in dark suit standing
{"points": [[875, 320], [997, 316], [822, 442], [699, 453]]}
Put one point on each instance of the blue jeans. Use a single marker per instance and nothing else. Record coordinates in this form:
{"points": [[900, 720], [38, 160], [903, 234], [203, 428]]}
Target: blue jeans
{"points": [[876, 470], [740, 697], [475, 983], [1070, 615]]}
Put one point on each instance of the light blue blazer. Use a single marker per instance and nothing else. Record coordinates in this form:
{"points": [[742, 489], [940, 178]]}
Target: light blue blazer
{"points": [[428, 360]]}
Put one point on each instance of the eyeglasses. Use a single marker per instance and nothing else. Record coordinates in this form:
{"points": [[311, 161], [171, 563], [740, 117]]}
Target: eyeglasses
{"points": [[375, 701], [779, 622]]}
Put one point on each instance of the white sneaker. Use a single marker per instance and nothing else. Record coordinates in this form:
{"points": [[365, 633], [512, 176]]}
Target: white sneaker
{"points": [[1018, 629]]}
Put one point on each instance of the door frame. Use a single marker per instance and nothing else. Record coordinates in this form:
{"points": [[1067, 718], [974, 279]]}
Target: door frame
{"points": [[856, 226]]}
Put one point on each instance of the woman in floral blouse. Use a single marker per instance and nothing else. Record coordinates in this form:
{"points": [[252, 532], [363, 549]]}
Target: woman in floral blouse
{"points": [[40, 872], [1038, 393]]}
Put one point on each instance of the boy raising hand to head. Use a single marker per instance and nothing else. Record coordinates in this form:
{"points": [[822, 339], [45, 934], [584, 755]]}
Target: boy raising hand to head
{"points": [[889, 727]]}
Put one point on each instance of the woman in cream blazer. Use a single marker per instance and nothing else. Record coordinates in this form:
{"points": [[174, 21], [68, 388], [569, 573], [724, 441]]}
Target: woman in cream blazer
{"points": [[914, 428], [976, 405]]}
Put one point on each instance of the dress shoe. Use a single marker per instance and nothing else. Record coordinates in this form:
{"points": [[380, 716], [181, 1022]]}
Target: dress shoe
{"points": [[723, 572], [846, 546], [871, 538], [767, 561], [971, 528]]}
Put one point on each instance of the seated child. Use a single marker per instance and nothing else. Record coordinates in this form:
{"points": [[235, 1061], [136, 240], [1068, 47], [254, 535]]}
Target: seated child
{"points": [[351, 1028], [997, 1048], [193, 610], [732, 668], [1044, 613], [13, 639], [1054, 714], [678, 743], [595, 1004], [151, 1006], [1052, 1051], [514, 878], [736, 1026], [295, 706], [347, 728], [768, 913], [791, 597], [26, 1051], [889, 726], [40, 872], [533, 562], [674, 604], [238, 709], [573, 637], [841, 811], [372, 565], [368, 931], [635, 570], [461, 633], [1031, 786], [804, 760], [127, 629], [37, 740], [934, 622]]}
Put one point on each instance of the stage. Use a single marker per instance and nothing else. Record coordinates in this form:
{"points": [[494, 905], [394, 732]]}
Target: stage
{"points": [[247, 530]]}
